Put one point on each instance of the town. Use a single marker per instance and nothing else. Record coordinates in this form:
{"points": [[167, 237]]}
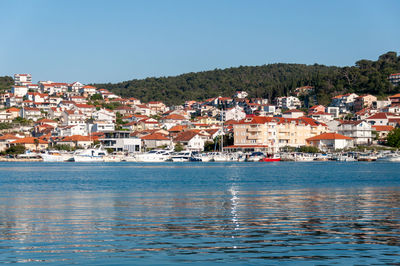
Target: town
{"points": [[52, 115]]}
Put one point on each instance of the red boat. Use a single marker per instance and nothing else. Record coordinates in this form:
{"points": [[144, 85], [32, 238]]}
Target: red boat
{"points": [[271, 158]]}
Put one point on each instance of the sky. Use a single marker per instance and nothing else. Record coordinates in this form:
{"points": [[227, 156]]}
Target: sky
{"points": [[112, 41]]}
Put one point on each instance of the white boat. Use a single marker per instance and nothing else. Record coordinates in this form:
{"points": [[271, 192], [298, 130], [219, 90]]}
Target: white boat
{"points": [[304, 158], [220, 157], [56, 156], [183, 156], [255, 156], [153, 156], [96, 154], [391, 158]]}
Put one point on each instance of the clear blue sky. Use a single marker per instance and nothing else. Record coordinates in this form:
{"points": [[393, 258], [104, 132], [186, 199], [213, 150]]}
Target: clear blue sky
{"points": [[110, 41]]}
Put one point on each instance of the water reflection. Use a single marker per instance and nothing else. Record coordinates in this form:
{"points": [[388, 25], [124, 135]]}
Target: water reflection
{"points": [[336, 225]]}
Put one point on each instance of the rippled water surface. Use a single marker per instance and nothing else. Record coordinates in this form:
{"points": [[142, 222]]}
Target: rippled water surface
{"points": [[232, 213]]}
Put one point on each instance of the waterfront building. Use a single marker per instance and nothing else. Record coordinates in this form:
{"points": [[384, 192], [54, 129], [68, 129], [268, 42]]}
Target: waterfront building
{"points": [[360, 131], [330, 142], [121, 141]]}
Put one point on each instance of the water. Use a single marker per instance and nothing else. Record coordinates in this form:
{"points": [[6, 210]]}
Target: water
{"points": [[200, 213]]}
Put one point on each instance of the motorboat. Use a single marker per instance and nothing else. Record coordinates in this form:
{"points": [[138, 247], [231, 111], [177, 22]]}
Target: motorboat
{"points": [[56, 156], [255, 157], [96, 154], [153, 156], [366, 158], [391, 158], [183, 156], [271, 158]]}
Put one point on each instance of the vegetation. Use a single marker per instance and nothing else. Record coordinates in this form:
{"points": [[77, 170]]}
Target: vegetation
{"points": [[6, 126], [178, 147], [63, 147], [393, 138], [308, 149], [5, 83], [267, 81], [16, 149]]}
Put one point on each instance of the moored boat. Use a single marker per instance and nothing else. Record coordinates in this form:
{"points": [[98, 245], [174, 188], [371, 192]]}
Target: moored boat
{"points": [[96, 154]]}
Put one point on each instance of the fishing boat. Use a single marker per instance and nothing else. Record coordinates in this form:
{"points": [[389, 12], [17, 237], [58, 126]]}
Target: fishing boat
{"points": [[271, 158], [96, 154]]}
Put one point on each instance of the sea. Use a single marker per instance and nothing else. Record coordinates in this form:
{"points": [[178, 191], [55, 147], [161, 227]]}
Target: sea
{"points": [[281, 213]]}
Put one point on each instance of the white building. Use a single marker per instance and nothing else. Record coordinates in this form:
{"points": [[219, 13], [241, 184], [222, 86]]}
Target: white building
{"points": [[22, 79], [19, 91], [236, 113], [330, 141], [360, 131], [290, 102], [121, 141]]}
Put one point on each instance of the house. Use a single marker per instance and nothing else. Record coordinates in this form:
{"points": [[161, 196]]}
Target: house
{"points": [[394, 78], [157, 106], [191, 140], [330, 142], [70, 130], [121, 141], [54, 112], [321, 116], [47, 121], [235, 113], [316, 109], [5, 140], [360, 131], [345, 102], [86, 109], [19, 91], [364, 101], [5, 117], [77, 141], [75, 87], [293, 114], [155, 140], [104, 115], [87, 90], [31, 113], [101, 126], [172, 120], [241, 94], [382, 132], [289, 102], [72, 117], [31, 143], [381, 119], [22, 79]]}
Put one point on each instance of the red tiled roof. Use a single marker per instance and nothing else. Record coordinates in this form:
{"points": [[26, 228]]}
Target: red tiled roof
{"points": [[186, 135], [326, 136], [29, 140], [383, 128], [8, 136], [155, 136], [78, 138], [174, 117]]}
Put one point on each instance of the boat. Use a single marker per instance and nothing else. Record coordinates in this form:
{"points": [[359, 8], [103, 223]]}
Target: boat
{"points": [[366, 158], [255, 157], [183, 156], [391, 158], [96, 154], [271, 158], [303, 157], [153, 156], [56, 156]]}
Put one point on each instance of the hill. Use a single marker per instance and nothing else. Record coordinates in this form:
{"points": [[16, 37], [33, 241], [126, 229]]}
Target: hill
{"points": [[6, 82], [267, 81]]}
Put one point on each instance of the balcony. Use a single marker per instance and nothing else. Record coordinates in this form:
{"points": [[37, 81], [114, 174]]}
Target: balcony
{"points": [[252, 136], [253, 129]]}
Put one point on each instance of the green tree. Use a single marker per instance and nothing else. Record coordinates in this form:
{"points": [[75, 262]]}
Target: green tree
{"points": [[393, 138], [178, 147], [16, 149]]}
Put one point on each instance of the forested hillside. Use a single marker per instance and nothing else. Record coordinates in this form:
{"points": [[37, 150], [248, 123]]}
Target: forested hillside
{"points": [[6, 82], [267, 81]]}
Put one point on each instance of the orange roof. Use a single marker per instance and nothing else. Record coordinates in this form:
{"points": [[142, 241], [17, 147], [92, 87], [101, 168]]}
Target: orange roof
{"points": [[29, 140], [177, 128], [78, 138], [395, 96], [8, 136], [155, 136], [45, 120], [186, 135], [326, 136], [174, 117], [82, 105], [12, 109], [379, 116], [88, 87], [383, 128]]}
